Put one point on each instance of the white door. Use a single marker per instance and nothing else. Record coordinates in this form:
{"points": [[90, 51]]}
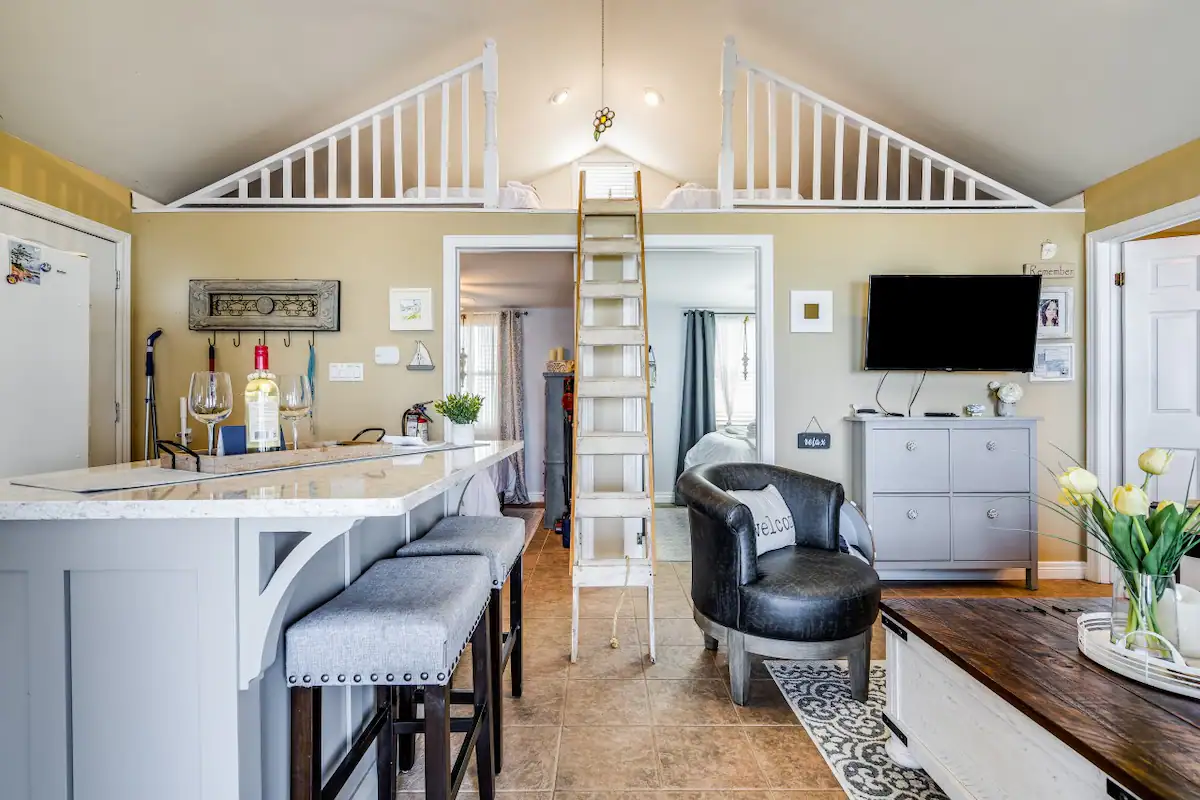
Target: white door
{"points": [[104, 438], [1162, 331]]}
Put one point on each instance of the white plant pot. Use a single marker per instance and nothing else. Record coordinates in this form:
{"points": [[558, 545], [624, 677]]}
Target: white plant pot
{"points": [[461, 434]]}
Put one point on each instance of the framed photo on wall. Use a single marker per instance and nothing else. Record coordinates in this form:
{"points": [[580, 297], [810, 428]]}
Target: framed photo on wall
{"points": [[1056, 312], [1053, 362], [410, 309]]}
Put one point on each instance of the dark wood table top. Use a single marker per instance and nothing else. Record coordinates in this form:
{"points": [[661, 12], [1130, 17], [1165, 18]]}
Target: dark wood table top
{"points": [[1025, 650]]}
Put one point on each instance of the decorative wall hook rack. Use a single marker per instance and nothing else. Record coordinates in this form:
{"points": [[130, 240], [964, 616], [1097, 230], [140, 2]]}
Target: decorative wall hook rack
{"points": [[266, 305]]}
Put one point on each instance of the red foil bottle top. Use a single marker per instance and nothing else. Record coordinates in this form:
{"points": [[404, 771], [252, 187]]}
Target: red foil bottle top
{"points": [[260, 358]]}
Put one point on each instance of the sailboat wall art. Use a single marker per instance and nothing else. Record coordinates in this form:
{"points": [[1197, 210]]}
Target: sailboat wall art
{"points": [[421, 361]]}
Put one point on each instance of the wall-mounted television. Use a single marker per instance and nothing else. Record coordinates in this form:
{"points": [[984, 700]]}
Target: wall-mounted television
{"points": [[982, 323]]}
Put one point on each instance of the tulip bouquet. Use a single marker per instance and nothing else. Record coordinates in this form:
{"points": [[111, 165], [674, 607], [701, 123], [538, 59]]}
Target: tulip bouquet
{"points": [[1145, 546]]}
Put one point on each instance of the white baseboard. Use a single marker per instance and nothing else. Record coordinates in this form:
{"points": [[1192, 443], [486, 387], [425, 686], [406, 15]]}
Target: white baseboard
{"points": [[1047, 570], [537, 497], [664, 497]]}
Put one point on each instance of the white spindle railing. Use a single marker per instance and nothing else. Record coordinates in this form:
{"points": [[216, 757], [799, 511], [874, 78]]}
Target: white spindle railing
{"points": [[236, 190], [891, 184]]}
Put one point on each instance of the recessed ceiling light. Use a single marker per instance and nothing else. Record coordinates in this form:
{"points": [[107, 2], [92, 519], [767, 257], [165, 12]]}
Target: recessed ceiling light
{"points": [[560, 97], [653, 97]]}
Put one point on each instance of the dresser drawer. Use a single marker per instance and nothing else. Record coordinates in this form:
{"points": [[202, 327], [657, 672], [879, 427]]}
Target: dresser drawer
{"points": [[911, 461], [990, 459], [911, 528], [992, 529]]}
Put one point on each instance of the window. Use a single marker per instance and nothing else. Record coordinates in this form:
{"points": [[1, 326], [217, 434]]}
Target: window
{"points": [[607, 179], [479, 368], [737, 380]]}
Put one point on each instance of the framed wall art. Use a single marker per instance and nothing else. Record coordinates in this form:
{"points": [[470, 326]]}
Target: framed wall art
{"points": [[410, 309], [1053, 362], [1056, 312]]}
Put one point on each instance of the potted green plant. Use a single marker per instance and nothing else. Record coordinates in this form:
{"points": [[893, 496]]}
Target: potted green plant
{"points": [[461, 411]]}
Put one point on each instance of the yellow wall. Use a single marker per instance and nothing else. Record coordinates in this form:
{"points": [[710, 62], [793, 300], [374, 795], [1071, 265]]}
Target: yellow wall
{"points": [[815, 374], [1169, 178], [33, 172], [1186, 229]]}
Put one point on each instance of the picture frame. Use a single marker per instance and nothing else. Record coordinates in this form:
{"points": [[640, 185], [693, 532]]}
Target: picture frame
{"points": [[410, 309], [1056, 312], [1053, 362], [811, 311]]}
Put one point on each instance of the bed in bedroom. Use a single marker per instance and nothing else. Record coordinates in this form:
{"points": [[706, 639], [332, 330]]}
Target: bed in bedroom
{"points": [[513, 195]]}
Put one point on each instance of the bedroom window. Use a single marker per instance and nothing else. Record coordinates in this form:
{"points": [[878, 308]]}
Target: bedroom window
{"points": [[736, 367], [609, 179], [480, 368]]}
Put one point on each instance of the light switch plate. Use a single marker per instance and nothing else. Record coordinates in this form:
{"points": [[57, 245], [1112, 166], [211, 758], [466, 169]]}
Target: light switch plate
{"points": [[345, 372], [387, 355]]}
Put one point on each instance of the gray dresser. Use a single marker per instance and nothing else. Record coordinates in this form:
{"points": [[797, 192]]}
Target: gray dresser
{"points": [[557, 452], [948, 493]]}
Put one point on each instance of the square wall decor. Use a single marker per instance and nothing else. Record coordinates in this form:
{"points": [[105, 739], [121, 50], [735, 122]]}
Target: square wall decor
{"points": [[812, 312], [410, 309]]}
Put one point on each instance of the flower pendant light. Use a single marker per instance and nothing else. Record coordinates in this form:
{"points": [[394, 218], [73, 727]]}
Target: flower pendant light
{"points": [[604, 117]]}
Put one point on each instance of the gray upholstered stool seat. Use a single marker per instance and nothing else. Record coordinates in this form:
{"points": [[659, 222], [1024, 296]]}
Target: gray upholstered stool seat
{"points": [[499, 539], [405, 621]]}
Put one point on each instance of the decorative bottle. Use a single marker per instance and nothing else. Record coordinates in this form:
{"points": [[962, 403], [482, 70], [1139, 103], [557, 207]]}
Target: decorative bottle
{"points": [[262, 405]]}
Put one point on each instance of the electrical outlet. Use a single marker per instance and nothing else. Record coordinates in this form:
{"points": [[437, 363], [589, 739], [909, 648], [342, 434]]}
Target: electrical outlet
{"points": [[345, 372]]}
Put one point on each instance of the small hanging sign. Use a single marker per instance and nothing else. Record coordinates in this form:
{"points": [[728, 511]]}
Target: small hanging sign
{"points": [[813, 440], [1050, 270]]}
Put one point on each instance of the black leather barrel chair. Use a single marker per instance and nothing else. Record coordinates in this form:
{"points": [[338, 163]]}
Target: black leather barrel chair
{"points": [[807, 601]]}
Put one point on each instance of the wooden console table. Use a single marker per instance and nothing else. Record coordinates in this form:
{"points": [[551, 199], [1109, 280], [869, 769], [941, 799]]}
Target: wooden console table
{"points": [[993, 698]]}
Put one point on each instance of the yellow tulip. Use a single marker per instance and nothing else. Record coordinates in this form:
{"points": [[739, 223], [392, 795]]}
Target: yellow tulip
{"points": [[1130, 500], [1155, 461], [1163, 505], [1078, 480], [1068, 498]]}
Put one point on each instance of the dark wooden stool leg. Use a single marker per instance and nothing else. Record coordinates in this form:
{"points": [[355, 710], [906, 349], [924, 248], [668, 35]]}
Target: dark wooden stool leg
{"points": [[439, 761], [306, 743], [485, 703], [385, 745], [516, 588], [406, 743], [495, 645]]}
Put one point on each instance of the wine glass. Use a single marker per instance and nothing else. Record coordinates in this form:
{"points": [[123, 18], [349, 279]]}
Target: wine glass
{"points": [[210, 399], [295, 401]]}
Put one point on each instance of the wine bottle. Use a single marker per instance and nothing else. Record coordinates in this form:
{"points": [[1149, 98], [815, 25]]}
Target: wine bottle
{"points": [[262, 405]]}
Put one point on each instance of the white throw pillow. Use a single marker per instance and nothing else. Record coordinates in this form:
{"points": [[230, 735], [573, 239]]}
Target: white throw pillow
{"points": [[774, 526]]}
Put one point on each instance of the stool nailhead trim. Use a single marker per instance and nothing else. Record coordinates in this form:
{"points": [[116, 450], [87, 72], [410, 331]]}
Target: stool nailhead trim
{"points": [[292, 679], [358, 678]]}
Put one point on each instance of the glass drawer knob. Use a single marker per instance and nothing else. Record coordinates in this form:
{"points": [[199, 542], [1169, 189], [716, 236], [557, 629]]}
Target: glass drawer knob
{"points": [[912, 513], [910, 446], [992, 513], [991, 445]]}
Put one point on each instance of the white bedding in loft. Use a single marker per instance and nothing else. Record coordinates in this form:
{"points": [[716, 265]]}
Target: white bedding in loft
{"points": [[693, 195], [738, 443], [512, 194]]}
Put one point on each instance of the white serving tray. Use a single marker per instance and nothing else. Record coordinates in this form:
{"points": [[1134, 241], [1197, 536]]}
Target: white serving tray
{"points": [[1174, 676]]}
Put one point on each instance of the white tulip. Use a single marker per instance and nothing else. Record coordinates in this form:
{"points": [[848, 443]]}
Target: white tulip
{"points": [[1078, 480], [1155, 461], [1130, 500]]}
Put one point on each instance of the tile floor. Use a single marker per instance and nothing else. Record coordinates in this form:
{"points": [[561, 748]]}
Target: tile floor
{"points": [[613, 726]]}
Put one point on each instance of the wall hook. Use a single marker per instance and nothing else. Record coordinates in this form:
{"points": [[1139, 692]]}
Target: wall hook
{"points": [[238, 341], [213, 341], [313, 341], [287, 342], [263, 339]]}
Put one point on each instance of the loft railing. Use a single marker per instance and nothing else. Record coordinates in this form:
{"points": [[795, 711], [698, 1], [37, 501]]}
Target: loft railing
{"points": [[888, 170], [307, 173]]}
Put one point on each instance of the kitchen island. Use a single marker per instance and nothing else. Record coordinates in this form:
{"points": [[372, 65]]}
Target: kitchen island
{"points": [[141, 629]]}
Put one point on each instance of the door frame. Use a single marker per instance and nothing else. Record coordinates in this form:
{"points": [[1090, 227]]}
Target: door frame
{"points": [[122, 241], [763, 247], [1105, 345]]}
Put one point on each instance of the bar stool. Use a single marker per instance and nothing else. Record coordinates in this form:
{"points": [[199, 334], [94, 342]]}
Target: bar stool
{"points": [[502, 541], [403, 625]]}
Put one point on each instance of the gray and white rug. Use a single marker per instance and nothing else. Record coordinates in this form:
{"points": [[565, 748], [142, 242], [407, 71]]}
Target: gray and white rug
{"points": [[849, 734], [672, 537]]}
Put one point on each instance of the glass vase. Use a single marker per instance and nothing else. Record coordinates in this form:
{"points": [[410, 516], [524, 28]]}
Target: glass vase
{"points": [[1144, 614], [1004, 409]]}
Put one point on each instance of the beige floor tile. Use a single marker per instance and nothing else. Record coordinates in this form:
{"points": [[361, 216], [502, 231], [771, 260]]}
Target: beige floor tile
{"points": [[603, 602], [666, 606], [767, 706], [672, 631], [607, 758], [530, 759], [757, 668], [414, 779], [607, 703], [600, 661], [546, 631], [679, 661], [691, 703], [543, 661], [707, 758], [789, 759], [541, 703]]}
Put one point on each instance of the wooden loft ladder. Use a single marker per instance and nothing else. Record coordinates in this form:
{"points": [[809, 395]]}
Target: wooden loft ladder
{"points": [[612, 493]]}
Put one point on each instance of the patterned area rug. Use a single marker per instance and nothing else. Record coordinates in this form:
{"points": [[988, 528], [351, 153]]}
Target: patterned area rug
{"points": [[672, 537], [850, 735]]}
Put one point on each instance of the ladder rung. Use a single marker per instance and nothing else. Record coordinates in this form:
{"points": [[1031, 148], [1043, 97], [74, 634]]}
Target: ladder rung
{"points": [[630, 335], [610, 289], [611, 246], [611, 207], [624, 443], [613, 505], [611, 387], [612, 572]]}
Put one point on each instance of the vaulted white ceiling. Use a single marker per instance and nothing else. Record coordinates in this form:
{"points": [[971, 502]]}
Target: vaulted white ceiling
{"points": [[1047, 96]]}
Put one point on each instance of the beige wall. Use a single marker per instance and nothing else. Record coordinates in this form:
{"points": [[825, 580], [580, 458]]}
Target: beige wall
{"points": [[815, 374], [1170, 178], [33, 172], [558, 189]]}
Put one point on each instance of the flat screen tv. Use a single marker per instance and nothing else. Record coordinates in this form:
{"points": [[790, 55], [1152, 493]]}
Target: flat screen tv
{"points": [[983, 323]]}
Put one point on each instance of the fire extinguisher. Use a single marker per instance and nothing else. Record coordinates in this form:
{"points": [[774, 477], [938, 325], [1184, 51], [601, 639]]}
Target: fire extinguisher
{"points": [[416, 421]]}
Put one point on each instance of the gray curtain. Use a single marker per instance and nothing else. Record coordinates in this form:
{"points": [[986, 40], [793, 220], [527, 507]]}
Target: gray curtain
{"points": [[698, 409], [512, 402]]}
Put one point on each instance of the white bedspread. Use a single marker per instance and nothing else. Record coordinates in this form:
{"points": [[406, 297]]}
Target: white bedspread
{"points": [[731, 443], [693, 196], [512, 195]]}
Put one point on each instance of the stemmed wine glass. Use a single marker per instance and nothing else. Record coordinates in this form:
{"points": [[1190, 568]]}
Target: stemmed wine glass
{"points": [[210, 399], [295, 401]]}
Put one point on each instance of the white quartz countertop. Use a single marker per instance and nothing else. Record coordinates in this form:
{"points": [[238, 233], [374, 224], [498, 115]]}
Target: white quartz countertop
{"points": [[372, 488]]}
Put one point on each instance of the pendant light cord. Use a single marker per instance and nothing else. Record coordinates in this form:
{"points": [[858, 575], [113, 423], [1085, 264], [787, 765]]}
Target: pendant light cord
{"points": [[602, 5]]}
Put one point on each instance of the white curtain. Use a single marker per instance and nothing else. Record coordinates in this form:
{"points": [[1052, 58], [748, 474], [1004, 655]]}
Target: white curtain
{"points": [[737, 402], [479, 368]]}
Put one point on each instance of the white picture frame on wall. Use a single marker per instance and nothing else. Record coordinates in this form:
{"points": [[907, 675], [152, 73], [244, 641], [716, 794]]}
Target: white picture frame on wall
{"points": [[811, 311], [1053, 362], [1056, 312], [410, 309]]}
